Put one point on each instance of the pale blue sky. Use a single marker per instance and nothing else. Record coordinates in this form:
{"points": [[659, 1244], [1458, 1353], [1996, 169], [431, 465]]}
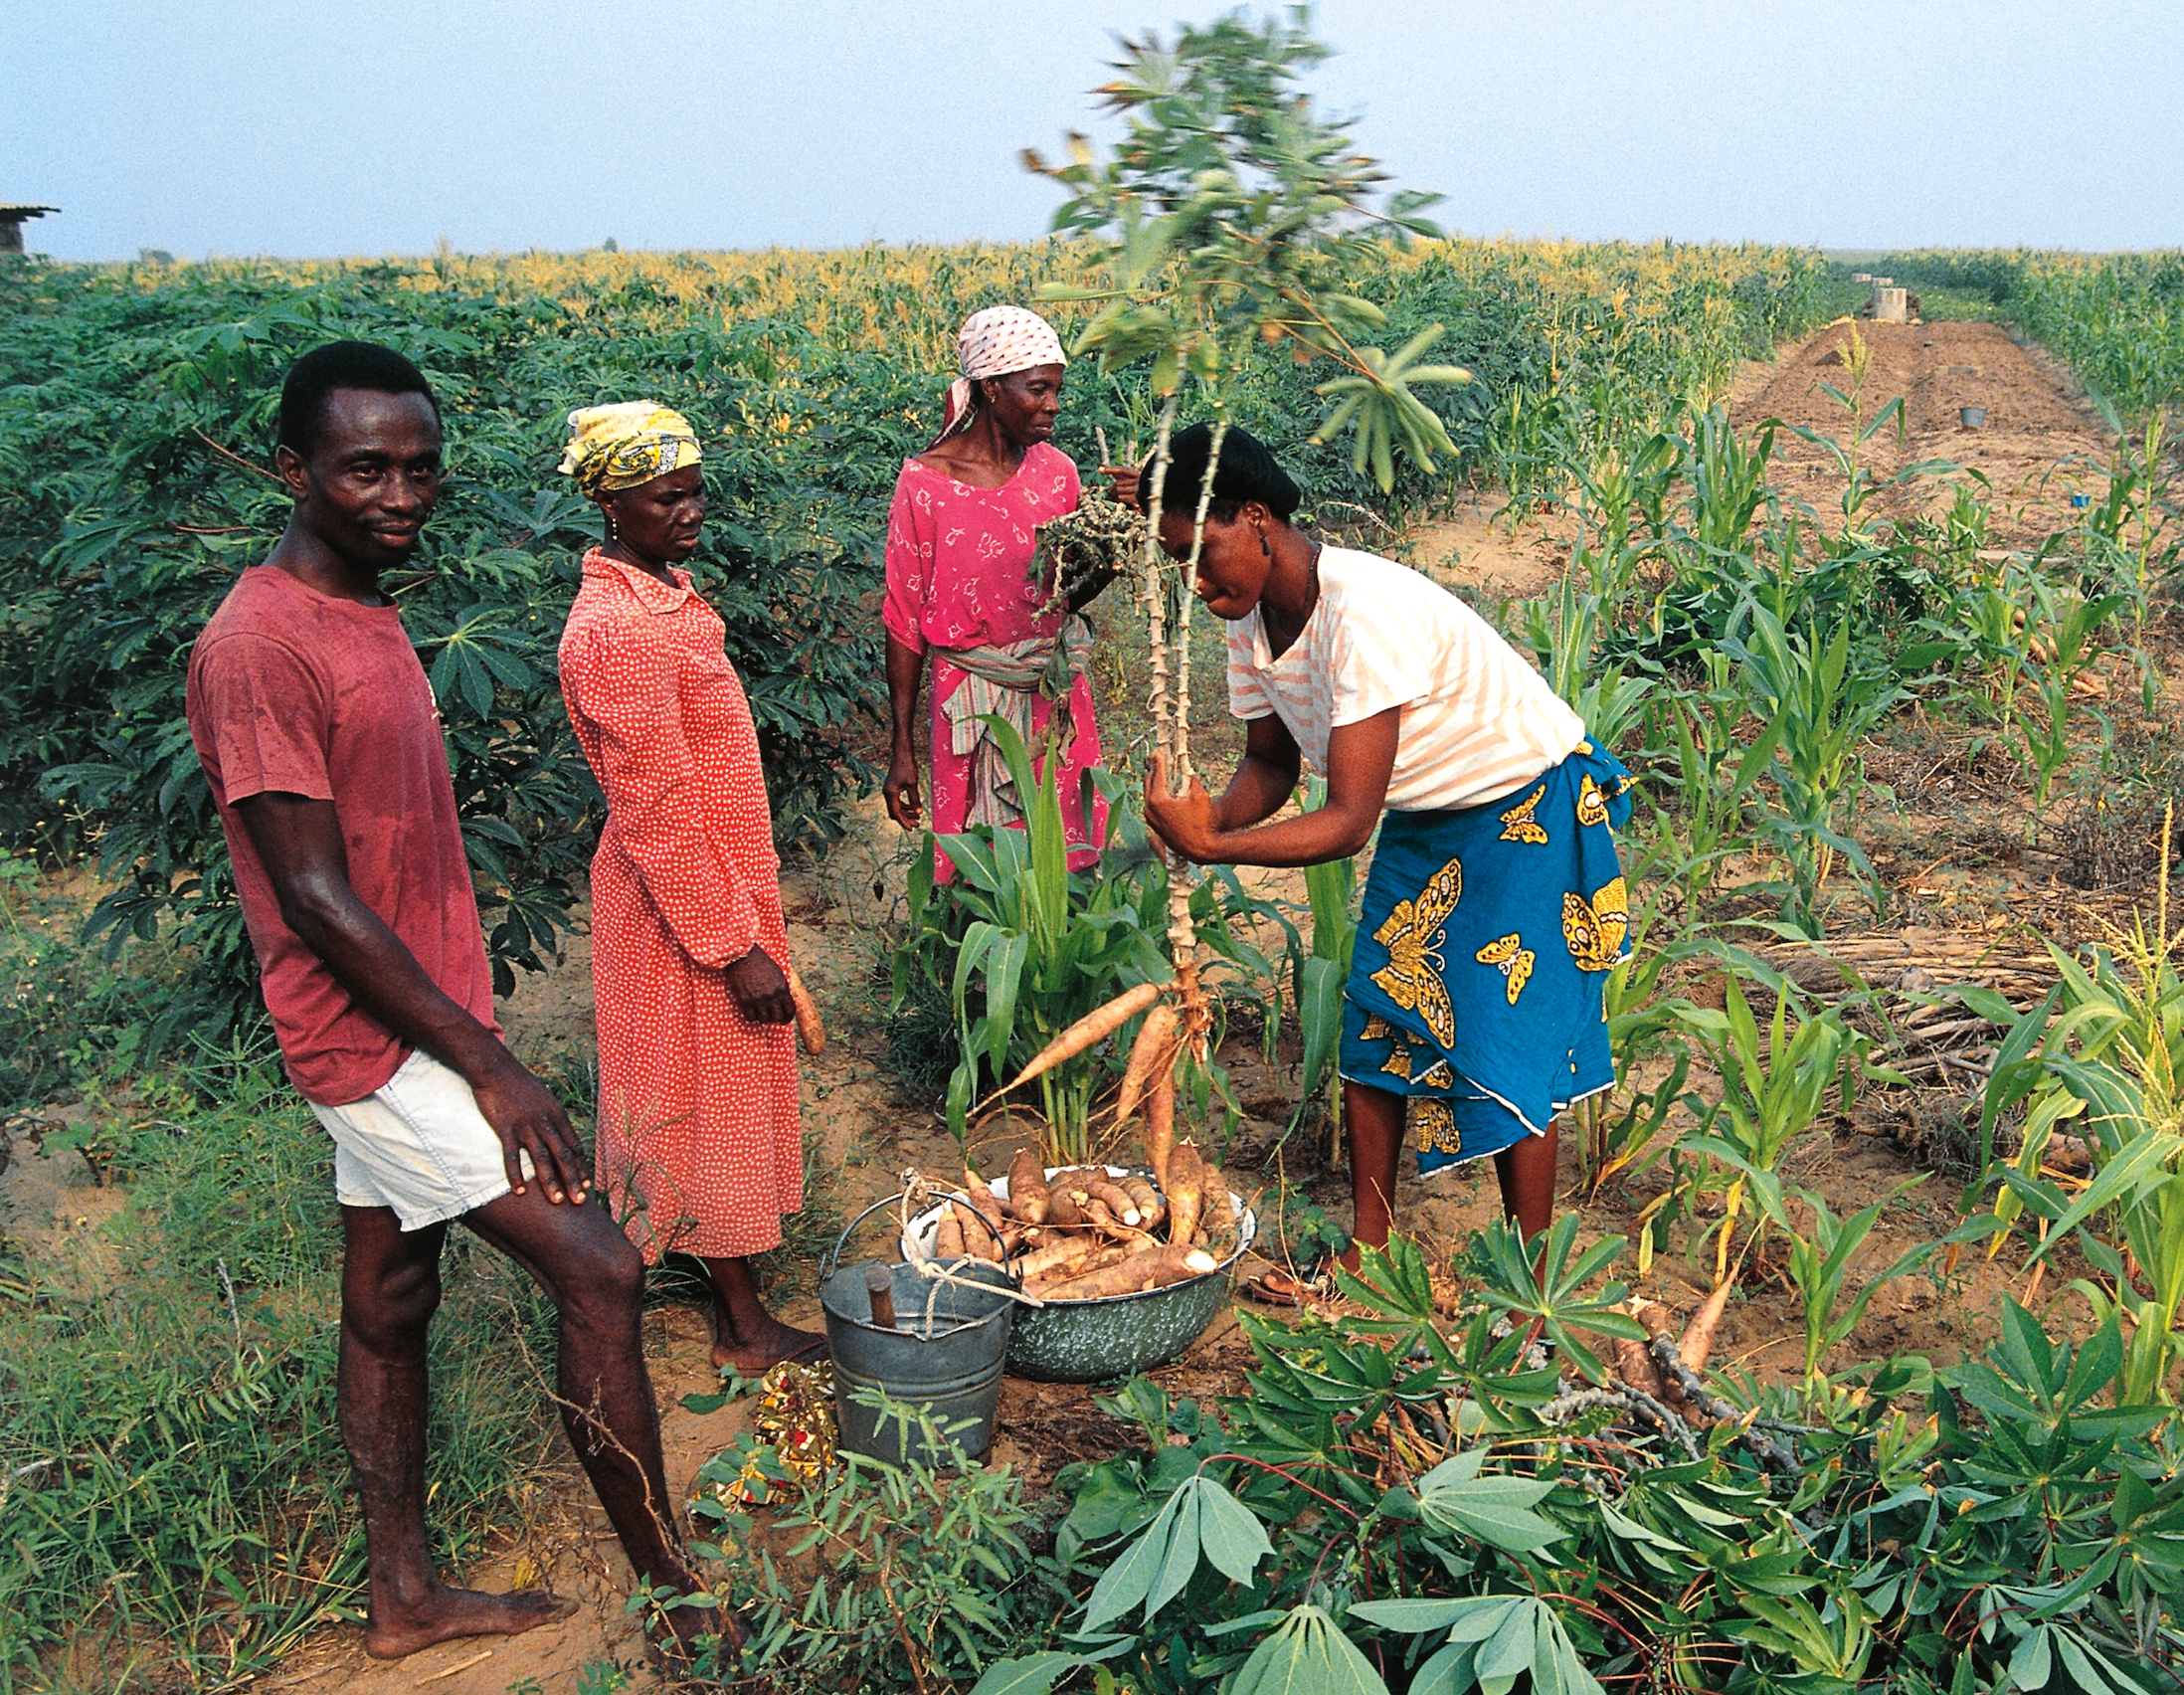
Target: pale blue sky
{"points": [[382, 126]]}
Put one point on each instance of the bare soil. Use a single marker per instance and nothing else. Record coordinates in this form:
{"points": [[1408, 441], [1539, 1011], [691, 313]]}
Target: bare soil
{"points": [[1953, 846], [1480, 549], [2041, 441]]}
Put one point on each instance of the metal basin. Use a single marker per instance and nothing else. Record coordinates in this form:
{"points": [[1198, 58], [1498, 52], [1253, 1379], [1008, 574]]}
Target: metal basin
{"points": [[1116, 1336], [953, 1371], [943, 1355]]}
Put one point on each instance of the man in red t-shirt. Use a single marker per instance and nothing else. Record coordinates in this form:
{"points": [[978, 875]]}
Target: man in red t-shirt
{"points": [[317, 729]]}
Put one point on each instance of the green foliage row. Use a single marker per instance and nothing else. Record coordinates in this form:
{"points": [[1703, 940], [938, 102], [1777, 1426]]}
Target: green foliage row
{"points": [[136, 414], [1399, 1503], [134, 430], [2116, 320]]}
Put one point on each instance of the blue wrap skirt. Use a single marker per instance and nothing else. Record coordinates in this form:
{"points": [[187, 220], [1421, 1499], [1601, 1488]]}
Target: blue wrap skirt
{"points": [[1482, 953]]}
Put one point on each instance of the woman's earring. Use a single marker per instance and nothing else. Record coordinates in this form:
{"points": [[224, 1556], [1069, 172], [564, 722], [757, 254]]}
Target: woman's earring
{"points": [[613, 531], [1265, 552]]}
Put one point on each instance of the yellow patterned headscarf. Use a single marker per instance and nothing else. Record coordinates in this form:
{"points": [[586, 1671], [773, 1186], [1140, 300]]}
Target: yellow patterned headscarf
{"points": [[625, 444]]}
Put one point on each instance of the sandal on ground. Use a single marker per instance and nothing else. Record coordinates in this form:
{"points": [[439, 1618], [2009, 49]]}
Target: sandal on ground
{"points": [[1278, 1286]]}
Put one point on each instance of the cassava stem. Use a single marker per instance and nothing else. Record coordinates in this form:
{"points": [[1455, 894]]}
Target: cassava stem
{"points": [[1156, 592], [1183, 934], [1182, 617]]}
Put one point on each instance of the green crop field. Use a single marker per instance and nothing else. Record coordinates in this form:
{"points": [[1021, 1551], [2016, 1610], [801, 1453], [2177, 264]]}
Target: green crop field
{"points": [[1780, 668]]}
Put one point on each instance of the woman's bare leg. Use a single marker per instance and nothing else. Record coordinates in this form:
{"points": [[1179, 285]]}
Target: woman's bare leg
{"points": [[1526, 1173], [744, 1334], [1374, 1120]]}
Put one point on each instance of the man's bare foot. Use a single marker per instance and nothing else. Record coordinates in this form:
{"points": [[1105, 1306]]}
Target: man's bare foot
{"points": [[754, 1349], [391, 1632]]}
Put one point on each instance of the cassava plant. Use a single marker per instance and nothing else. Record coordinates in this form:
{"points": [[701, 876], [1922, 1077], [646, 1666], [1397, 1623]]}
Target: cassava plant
{"points": [[1236, 216]]}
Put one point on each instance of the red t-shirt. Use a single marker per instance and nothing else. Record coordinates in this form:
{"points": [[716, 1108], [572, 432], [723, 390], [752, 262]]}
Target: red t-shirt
{"points": [[296, 692]]}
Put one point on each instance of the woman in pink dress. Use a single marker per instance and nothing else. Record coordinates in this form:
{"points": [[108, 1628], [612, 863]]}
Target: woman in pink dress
{"points": [[961, 536], [700, 1147]]}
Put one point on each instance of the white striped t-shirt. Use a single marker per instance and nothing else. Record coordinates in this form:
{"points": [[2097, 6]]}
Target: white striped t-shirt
{"points": [[1477, 722]]}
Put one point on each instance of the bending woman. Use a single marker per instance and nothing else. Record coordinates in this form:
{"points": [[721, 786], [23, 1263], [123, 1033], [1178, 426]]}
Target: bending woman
{"points": [[961, 536], [700, 1148], [1495, 902]]}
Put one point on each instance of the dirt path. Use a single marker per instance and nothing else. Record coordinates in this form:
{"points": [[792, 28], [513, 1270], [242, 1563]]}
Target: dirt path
{"points": [[1480, 552], [2039, 445]]}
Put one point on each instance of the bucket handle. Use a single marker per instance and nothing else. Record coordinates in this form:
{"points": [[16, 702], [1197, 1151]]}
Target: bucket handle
{"points": [[831, 1260]]}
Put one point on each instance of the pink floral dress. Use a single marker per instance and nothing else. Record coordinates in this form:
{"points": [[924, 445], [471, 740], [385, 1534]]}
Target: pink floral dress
{"points": [[958, 563]]}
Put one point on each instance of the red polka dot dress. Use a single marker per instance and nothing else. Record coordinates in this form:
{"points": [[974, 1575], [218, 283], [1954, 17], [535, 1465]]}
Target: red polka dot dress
{"points": [[699, 1139]]}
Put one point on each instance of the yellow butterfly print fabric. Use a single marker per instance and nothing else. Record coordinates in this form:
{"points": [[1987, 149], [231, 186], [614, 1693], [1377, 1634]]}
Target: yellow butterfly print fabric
{"points": [[1514, 959], [1593, 807], [1413, 934], [1518, 823], [1433, 1126], [1595, 928]]}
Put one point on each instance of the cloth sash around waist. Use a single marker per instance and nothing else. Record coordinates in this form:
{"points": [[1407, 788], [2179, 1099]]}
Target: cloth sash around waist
{"points": [[1001, 681]]}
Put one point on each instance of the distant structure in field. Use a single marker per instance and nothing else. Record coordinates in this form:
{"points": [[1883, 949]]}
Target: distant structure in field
{"points": [[11, 220]]}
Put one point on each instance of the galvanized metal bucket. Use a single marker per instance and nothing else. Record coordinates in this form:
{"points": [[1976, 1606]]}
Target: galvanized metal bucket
{"points": [[1117, 1336], [944, 1354]]}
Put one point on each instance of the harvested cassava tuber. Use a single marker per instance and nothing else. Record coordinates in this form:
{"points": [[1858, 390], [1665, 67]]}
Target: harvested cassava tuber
{"points": [[1117, 1200], [1159, 1127], [982, 1198], [1186, 1188], [1151, 1210], [1028, 1196], [1148, 1268], [809, 1026], [977, 1235], [1635, 1365], [1095, 1211], [1100, 1022], [1125, 1277], [1152, 1053], [1099, 1257], [1070, 1251], [1218, 1220], [1634, 1360], [1062, 1206], [1697, 1340], [948, 1237]]}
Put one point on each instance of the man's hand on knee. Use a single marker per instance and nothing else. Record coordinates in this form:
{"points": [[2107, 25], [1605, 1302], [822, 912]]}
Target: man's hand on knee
{"points": [[528, 1120]]}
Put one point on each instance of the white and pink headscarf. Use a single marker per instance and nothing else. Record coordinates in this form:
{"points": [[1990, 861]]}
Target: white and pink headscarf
{"points": [[997, 341]]}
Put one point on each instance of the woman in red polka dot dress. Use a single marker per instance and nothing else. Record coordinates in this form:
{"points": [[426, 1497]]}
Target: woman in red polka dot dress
{"points": [[699, 1139]]}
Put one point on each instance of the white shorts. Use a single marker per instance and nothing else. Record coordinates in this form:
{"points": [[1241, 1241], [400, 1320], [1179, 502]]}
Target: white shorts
{"points": [[420, 1145]]}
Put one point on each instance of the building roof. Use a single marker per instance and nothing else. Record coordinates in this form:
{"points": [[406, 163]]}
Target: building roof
{"points": [[14, 209]]}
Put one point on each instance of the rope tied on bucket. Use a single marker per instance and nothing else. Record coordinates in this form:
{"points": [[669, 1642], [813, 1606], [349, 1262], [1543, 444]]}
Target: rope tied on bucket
{"points": [[920, 1195]]}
